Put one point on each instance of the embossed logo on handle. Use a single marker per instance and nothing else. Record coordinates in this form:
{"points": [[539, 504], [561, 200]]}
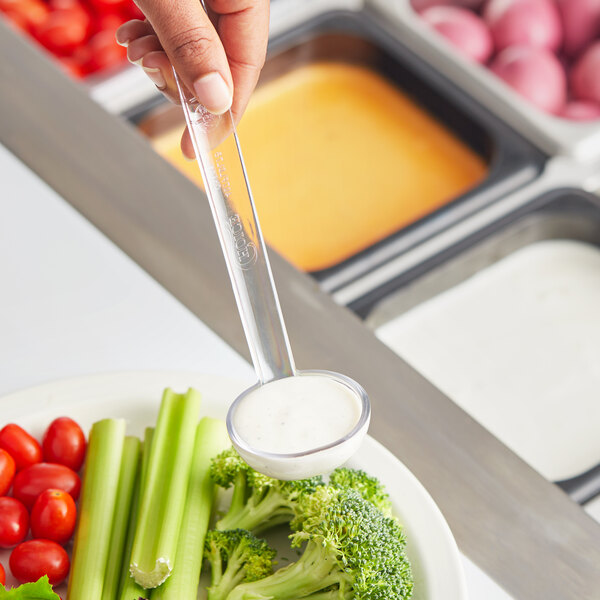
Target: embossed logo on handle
{"points": [[245, 251]]}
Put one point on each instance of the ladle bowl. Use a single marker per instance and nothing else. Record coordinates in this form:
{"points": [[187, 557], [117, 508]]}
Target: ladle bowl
{"points": [[310, 461]]}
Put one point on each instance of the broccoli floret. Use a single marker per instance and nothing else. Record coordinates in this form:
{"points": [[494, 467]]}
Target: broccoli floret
{"points": [[353, 552], [258, 502], [333, 594], [235, 556], [370, 488]]}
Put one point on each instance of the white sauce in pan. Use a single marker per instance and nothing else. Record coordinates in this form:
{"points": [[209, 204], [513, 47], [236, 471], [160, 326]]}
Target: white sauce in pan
{"points": [[518, 347]]}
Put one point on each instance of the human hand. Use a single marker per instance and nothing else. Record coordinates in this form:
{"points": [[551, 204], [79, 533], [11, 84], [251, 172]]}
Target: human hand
{"points": [[218, 56]]}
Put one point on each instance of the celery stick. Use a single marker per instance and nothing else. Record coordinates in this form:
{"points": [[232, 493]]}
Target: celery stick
{"points": [[163, 494], [129, 589], [211, 438], [148, 436], [129, 471], [96, 509]]}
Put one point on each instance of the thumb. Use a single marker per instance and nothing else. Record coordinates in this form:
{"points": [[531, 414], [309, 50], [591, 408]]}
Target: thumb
{"points": [[194, 49]]}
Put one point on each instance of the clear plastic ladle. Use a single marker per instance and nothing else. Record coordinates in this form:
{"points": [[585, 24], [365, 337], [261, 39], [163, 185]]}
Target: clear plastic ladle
{"points": [[226, 184]]}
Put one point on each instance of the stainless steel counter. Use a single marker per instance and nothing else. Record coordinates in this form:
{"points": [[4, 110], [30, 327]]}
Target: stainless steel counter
{"points": [[522, 530]]}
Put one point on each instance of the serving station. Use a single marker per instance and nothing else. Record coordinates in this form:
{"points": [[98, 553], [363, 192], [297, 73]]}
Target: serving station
{"points": [[464, 304]]}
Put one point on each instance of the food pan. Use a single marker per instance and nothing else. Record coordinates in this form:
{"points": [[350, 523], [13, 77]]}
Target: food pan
{"points": [[553, 135], [360, 38], [555, 429]]}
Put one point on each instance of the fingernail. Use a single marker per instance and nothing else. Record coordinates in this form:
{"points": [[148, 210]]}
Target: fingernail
{"points": [[156, 77], [213, 93], [124, 44]]}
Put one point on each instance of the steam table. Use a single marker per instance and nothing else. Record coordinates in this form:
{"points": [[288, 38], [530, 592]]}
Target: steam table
{"points": [[64, 286]]}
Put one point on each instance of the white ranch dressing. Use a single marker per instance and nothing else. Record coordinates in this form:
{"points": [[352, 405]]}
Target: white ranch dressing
{"points": [[517, 346], [297, 414]]}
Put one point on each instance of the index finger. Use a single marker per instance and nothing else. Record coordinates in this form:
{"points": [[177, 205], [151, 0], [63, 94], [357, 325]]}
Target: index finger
{"points": [[194, 49], [243, 26]]}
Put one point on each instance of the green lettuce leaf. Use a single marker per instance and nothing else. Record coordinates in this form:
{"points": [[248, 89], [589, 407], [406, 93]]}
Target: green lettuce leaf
{"points": [[40, 590]]}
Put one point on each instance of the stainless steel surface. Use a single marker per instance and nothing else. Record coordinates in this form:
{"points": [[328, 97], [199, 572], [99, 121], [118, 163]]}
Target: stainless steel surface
{"points": [[120, 92], [542, 223], [559, 172], [584, 487], [521, 529], [345, 37], [567, 214]]}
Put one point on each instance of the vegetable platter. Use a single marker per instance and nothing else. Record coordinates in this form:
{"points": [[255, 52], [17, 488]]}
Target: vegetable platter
{"points": [[136, 398]]}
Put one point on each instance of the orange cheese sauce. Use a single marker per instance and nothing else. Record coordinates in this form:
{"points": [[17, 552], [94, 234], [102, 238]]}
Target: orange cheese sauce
{"points": [[338, 159]]}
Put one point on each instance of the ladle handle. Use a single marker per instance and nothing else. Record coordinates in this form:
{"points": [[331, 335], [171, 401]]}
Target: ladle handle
{"points": [[226, 184]]}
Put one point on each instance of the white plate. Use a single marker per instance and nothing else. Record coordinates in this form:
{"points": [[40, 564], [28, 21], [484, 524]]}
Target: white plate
{"points": [[136, 397]]}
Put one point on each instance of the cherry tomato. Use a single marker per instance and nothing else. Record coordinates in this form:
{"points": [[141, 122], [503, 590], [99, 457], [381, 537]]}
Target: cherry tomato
{"points": [[60, 4], [53, 516], [2, 575], [105, 52], [14, 522], [75, 67], [16, 20], [20, 445], [63, 30], [7, 471], [108, 22], [32, 481], [132, 11], [35, 558], [108, 5], [34, 12], [64, 443], [27, 13]]}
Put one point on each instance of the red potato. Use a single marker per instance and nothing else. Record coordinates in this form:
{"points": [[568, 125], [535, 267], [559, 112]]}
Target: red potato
{"points": [[579, 110], [536, 74], [421, 5], [585, 76], [463, 29], [581, 23], [524, 22], [2, 575]]}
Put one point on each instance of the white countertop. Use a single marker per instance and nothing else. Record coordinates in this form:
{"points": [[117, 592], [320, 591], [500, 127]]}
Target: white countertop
{"points": [[74, 304]]}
